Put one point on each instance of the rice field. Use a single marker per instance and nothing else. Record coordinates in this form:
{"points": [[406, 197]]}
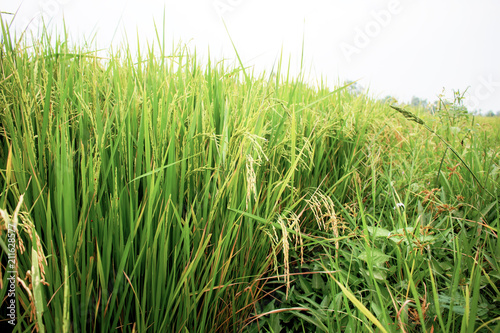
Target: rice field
{"points": [[154, 193]]}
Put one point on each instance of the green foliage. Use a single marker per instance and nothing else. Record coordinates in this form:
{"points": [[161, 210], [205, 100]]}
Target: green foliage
{"points": [[157, 194]]}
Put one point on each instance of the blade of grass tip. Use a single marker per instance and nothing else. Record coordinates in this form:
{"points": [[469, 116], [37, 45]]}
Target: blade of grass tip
{"points": [[37, 289], [66, 322], [303, 46], [6, 39], [466, 316], [486, 324], [8, 174], [436, 299], [66, 301], [247, 78], [410, 116], [440, 167], [16, 212], [476, 284], [46, 111]]}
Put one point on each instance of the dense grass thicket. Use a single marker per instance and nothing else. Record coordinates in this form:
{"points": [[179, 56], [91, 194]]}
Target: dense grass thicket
{"points": [[155, 194]]}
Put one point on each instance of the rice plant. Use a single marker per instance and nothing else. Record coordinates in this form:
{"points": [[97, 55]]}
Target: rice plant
{"points": [[159, 194]]}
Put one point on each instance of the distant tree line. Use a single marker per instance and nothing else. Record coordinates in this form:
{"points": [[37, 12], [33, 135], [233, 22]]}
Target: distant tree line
{"points": [[439, 104], [457, 106]]}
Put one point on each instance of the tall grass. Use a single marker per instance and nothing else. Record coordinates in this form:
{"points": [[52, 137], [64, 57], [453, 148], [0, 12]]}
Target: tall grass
{"points": [[160, 194]]}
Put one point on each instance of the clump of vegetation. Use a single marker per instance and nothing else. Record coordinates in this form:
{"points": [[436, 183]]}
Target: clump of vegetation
{"points": [[162, 195]]}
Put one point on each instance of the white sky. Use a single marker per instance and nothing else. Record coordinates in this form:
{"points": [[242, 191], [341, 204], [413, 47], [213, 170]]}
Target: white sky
{"points": [[401, 48]]}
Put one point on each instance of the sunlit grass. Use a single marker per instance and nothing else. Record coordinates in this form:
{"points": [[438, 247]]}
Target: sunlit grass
{"points": [[159, 194]]}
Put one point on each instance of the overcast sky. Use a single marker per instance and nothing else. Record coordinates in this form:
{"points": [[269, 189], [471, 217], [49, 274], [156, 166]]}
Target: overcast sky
{"points": [[399, 48]]}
